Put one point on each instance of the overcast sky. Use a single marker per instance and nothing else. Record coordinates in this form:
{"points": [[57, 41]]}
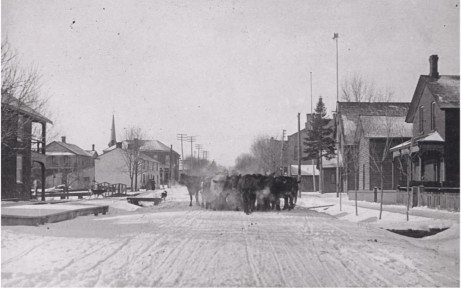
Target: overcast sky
{"points": [[225, 71]]}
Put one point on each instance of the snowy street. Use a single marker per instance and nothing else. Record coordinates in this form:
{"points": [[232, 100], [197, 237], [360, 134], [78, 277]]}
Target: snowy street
{"points": [[176, 245]]}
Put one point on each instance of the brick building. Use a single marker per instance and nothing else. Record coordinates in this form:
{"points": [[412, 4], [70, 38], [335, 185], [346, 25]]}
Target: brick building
{"points": [[23, 143]]}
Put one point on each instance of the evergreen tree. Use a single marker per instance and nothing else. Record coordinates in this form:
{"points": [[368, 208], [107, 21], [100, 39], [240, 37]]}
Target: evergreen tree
{"points": [[319, 137]]}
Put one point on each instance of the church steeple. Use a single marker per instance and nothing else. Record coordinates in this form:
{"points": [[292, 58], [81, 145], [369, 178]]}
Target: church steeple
{"points": [[113, 140]]}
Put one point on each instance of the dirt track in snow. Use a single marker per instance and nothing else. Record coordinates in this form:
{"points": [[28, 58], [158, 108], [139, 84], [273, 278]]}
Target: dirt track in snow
{"points": [[177, 245]]}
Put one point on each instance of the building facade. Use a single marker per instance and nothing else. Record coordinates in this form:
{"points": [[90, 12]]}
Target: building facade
{"points": [[347, 127], [113, 166], [70, 165], [23, 143], [433, 151], [375, 136]]}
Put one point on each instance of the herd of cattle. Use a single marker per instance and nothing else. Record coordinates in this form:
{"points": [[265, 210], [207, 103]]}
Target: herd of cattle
{"points": [[248, 192]]}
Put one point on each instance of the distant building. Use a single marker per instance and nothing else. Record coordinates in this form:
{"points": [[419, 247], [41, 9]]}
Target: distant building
{"points": [[21, 146], [434, 115], [329, 165], [113, 167], [70, 165], [165, 156], [348, 116]]}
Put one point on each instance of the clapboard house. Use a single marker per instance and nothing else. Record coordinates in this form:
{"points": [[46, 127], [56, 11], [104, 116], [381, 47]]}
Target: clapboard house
{"points": [[434, 115], [348, 126], [23, 143], [70, 165]]}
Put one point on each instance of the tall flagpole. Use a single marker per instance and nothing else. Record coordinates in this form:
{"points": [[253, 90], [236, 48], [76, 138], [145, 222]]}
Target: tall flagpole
{"points": [[335, 37], [313, 165]]}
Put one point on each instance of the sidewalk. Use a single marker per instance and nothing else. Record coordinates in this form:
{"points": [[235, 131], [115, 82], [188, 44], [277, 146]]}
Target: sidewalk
{"points": [[368, 212], [38, 213]]}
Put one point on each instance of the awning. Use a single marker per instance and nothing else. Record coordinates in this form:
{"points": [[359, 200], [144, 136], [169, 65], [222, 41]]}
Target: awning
{"points": [[432, 141], [306, 170]]}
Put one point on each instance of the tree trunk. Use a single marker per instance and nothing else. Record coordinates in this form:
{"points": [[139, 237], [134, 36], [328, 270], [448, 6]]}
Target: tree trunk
{"points": [[408, 187], [355, 185], [382, 191]]}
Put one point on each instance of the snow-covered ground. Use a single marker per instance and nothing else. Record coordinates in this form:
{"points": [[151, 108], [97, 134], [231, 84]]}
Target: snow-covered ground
{"points": [[173, 244]]}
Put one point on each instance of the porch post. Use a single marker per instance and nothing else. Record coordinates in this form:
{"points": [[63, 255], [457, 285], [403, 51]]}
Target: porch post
{"points": [[393, 173], [420, 168], [42, 166], [442, 169]]}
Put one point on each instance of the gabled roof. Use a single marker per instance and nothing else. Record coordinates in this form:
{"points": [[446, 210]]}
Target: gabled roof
{"points": [[14, 103], [93, 153], [115, 148], [385, 126], [349, 113], [444, 89], [154, 145], [72, 148]]}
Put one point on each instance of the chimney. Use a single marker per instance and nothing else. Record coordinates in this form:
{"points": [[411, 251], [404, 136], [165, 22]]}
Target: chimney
{"points": [[63, 139], [92, 147], [434, 73]]}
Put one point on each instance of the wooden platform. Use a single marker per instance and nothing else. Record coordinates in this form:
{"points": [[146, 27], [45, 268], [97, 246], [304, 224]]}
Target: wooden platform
{"points": [[136, 200], [32, 214]]}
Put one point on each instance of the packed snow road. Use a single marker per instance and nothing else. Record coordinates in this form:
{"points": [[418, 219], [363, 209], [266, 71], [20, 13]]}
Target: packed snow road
{"points": [[176, 245]]}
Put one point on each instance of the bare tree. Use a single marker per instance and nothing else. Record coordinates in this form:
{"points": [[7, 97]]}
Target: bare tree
{"points": [[392, 134], [266, 151], [246, 164], [132, 155], [20, 92], [358, 89]]}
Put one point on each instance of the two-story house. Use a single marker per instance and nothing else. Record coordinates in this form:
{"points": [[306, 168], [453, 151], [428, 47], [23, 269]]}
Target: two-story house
{"points": [[165, 156], [69, 164], [115, 166], [434, 115], [23, 143]]}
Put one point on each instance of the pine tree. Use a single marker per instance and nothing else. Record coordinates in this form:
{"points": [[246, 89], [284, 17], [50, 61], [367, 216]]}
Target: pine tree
{"points": [[319, 142]]}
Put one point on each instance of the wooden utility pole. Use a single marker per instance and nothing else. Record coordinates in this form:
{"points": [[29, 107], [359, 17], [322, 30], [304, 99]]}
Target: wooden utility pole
{"points": [[198, 147], [299, 154], [171, 166], [191, 139], [281, 152], [182, 137]]}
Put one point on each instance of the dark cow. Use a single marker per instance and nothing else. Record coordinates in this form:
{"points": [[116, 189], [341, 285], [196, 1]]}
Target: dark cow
{"points": [[249, 185], [287, 188], [193, 184]]}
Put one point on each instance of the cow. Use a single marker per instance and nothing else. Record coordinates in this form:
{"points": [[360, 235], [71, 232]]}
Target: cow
{"points": [[193, 185], [249, 185], [287, 188]]}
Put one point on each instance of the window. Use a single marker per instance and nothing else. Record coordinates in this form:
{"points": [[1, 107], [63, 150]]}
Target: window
{"points": [[66, 160], [363, 177], [421, 119], [433, 116], [21, 127], [18, 168]]}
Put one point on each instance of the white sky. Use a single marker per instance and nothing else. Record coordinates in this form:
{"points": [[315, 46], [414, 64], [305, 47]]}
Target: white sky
{"points": [[225, 71]]}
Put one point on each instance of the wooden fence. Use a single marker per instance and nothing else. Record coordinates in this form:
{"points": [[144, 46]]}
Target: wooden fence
{"points": [[432, 197]]}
